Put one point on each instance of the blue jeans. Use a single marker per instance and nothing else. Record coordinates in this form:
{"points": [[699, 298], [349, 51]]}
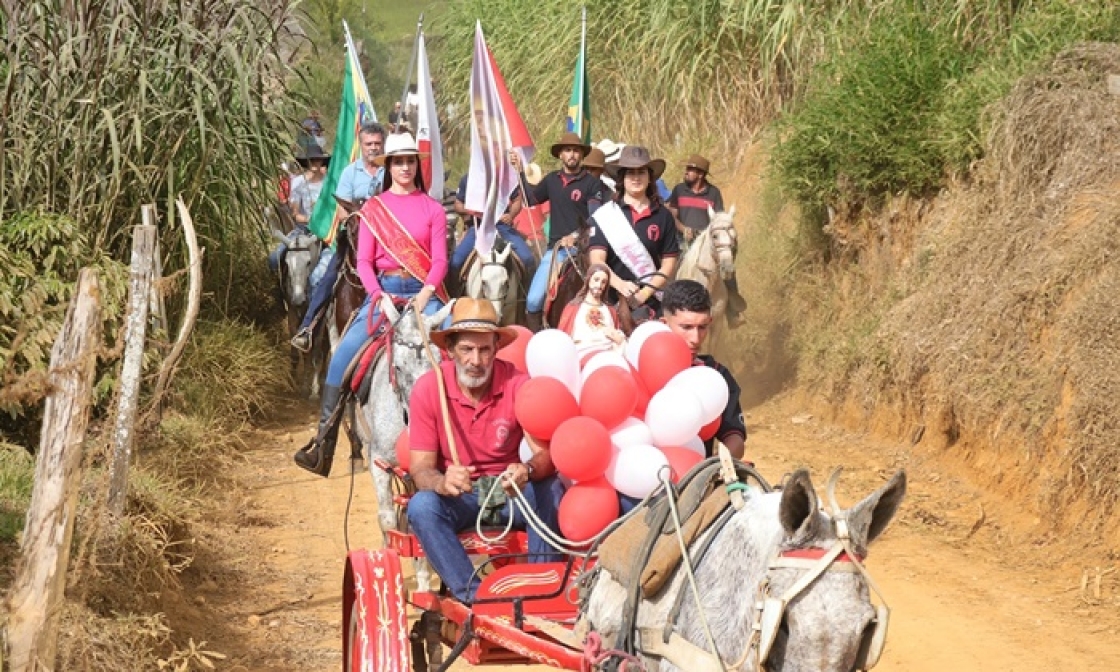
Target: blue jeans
{"points": [[534, 303], [356, 334], [322, 289], [437, 519], [509, 234]]}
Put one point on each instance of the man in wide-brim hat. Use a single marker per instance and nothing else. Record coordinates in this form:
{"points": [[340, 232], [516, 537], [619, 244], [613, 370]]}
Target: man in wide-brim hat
{"points": [[692, 198], [569, 191], [478, 396]]}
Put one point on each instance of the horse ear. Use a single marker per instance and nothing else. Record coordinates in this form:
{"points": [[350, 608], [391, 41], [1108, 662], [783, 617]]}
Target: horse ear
{"points": [[711, 212], [391, 312], [731, 212], [279, 236], [868, 519], [798, 509], [433, 321]]}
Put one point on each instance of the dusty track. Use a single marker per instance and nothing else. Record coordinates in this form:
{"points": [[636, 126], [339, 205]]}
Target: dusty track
{"points": [[968, 592]]}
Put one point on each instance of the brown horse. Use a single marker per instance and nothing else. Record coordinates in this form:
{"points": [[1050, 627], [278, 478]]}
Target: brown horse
{"points": [[569, 279]]}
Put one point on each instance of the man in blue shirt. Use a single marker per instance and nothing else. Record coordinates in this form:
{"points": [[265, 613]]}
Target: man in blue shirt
{"points": [[359, 182]]}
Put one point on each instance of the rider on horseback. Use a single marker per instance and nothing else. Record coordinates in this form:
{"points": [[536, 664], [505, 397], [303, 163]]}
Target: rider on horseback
{"points": [[359, 181], [401, 253], [505, 228], [643, 247], [569, 191], [455, 477]]}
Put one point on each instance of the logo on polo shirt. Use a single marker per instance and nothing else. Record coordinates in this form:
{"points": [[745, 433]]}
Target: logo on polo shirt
{"points": [[653, 233], [576, 194], [501, 431]]}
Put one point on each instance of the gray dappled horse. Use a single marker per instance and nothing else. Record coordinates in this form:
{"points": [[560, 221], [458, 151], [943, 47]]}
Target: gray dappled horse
{"points": [[381, 419], [828, 625], [497, 278], [296, 265]]}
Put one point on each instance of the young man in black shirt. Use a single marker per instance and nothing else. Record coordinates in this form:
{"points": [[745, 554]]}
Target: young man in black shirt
{"points": [[568, 191], [687, 309]]}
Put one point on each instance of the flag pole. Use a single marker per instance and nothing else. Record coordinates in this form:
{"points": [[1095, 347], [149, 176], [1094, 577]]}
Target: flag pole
{"points": [[408, 73], [583, 74], [529, 213]]}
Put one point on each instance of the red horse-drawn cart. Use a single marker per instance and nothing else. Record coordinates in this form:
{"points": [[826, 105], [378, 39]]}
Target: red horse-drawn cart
{"points": [[523, 612]]}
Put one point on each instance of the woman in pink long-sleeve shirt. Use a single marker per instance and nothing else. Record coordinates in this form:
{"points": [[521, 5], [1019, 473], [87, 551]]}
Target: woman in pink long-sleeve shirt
{"points": [[423, 218]]}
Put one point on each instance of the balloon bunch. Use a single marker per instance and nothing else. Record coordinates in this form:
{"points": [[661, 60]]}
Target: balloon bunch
{"points": [[613, 421]]}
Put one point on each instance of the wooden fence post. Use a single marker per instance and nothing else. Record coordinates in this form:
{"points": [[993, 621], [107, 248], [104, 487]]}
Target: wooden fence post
{"points": [[36, 595], [136, 323]]}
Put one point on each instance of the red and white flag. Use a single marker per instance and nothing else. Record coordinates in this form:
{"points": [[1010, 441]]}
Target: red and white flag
{"points": [[427, 126], [496, 128]]}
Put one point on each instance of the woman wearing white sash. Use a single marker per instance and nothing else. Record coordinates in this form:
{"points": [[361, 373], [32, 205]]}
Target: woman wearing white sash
{"points": [[647, 249]]}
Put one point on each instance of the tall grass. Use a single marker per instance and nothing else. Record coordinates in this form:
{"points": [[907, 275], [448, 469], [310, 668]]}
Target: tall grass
{"points": [[110, 104]]}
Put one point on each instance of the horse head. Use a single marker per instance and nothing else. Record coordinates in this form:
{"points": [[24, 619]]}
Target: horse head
{"points": [[829, 622], [724, 240], [298, 262], [409, 358], [494, 278]]}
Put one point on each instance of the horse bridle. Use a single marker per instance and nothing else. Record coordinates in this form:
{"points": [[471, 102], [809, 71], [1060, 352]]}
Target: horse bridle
{"points": [[769, 611]]}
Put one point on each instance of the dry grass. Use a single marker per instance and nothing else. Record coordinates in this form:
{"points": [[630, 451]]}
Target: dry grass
{"points": [[989, 315]]}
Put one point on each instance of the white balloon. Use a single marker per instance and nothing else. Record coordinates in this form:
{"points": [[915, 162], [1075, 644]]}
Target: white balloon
{"points": [[695, 445], [639, 336], [633, 471], [630, 432], [601, 359], [673, 416], [709, 387], [525, 451], [553, 353]]}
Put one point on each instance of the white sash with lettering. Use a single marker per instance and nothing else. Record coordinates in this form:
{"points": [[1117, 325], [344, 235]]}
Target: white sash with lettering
{"points": [[622, 239]]}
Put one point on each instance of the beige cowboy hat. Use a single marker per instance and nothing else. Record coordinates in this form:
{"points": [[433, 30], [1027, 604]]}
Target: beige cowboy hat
{"points": [[569, 140], [399, 144], [533, 174], [699, 163], [636, 156], [610, 149], [476, 316]]}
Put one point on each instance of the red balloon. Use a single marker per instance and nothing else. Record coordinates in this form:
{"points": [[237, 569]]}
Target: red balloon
{"points": [[542, 404], [581, 448], [514, 353], [709, 430], [609, 395], [587, 509], [681, 460], [403, 449], [662, 356], [643, 395]]}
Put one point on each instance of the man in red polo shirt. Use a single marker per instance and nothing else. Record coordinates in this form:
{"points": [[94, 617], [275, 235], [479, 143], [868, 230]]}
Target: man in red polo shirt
{"points": [[479, 392]]}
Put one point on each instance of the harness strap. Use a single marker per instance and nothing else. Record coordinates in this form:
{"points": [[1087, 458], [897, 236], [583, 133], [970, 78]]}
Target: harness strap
{"points": [[679, 651]]}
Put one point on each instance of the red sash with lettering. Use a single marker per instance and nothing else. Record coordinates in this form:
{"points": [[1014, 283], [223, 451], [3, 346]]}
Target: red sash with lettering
{"points": [[398, 242]]}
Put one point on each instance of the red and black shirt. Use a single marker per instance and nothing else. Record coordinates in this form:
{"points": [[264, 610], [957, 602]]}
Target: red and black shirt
{"points": [[693, 207], [654, 227], [731, 421], [568, 196]]}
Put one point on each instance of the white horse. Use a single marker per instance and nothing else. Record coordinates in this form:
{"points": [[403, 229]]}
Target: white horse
{"points": [[710, 260], [777, 590], [381, 418], [497, 278], [296, 264]]}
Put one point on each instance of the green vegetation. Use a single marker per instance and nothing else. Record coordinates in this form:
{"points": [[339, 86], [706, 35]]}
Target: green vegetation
{"points": [[902, 103]]}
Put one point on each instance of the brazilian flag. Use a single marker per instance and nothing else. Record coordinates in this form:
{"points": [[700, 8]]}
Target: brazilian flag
{"points": [[579, 105]]}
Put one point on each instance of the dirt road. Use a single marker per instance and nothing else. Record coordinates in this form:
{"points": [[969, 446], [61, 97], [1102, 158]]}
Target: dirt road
{"points": [[971, 586]]}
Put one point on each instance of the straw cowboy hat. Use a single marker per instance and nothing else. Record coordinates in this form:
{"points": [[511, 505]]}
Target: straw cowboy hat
{"points": [[610, 149], [595, 159], [534, 174], [569, 140], [636, 156], [699, 163], [313, 151], [399, 144], [476, 316]]}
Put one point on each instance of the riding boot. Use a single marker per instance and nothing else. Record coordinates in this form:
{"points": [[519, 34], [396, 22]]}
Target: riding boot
{"points": [[318, 454], [735, 302], [534, 321]]}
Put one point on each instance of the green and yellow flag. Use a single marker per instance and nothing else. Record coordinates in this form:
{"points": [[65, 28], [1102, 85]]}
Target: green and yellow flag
{"points": [[579, 105], [355, 109]]}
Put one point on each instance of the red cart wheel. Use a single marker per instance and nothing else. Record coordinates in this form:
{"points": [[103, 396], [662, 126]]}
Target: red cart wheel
{"points": [[374, 613]]}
